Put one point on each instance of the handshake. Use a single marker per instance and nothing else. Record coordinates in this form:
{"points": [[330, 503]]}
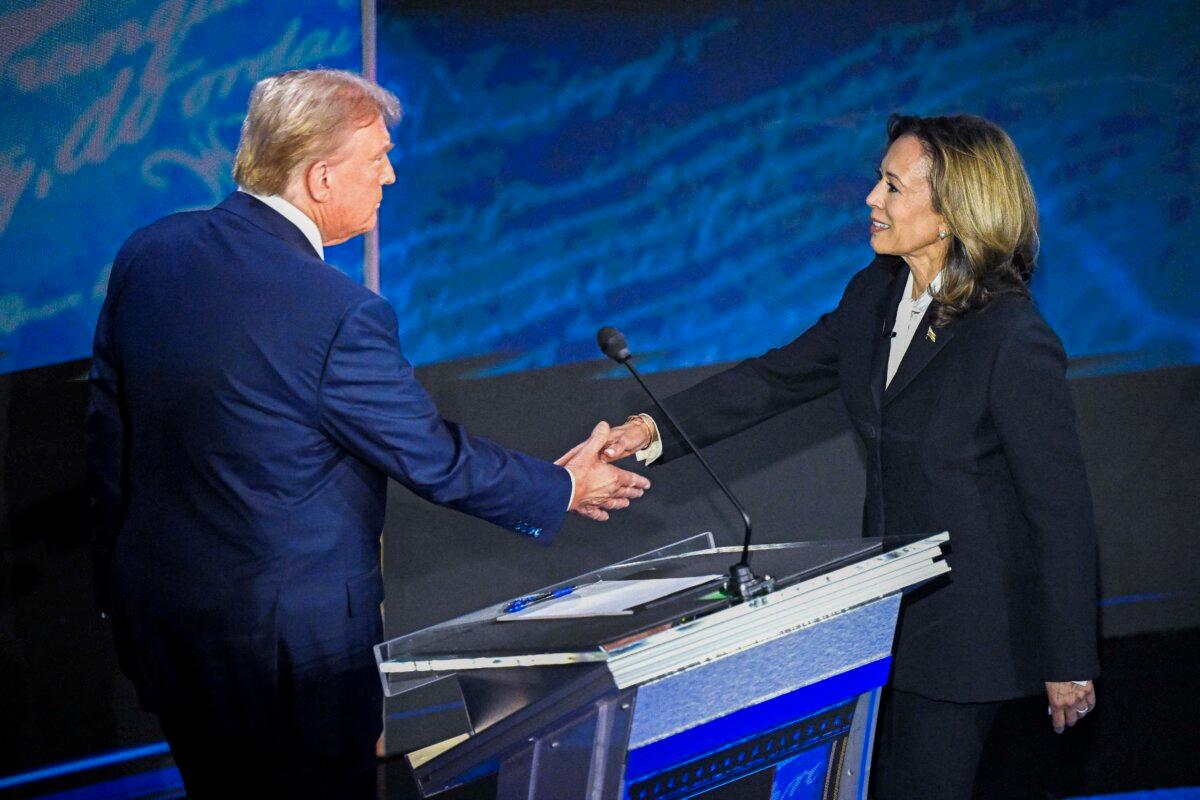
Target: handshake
{"points": [[599, 486]]}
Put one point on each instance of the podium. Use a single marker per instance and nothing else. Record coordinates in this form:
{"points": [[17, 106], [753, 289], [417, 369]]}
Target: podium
{"points": [[694, 694]]}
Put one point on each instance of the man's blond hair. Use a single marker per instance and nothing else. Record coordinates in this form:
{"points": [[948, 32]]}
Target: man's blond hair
{"points": [[301, 116]]}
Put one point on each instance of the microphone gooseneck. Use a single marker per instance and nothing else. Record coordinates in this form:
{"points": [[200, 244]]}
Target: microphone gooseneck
{"points": [[742, 581]]}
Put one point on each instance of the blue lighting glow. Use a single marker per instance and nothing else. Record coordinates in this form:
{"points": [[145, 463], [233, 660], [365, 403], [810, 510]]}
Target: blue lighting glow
{"points": [[84, 764]]}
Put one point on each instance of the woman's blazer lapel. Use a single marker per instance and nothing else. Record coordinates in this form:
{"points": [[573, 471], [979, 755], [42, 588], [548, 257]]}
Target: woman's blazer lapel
{"points": [[927, 342], [886, 313]]}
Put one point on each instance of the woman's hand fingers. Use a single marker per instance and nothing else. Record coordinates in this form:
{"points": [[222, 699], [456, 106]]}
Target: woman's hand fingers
{"points": [[1069, 702], [625, 440]]}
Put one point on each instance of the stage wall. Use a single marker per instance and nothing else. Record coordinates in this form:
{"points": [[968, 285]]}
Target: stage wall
{"points": [[694, 172]]}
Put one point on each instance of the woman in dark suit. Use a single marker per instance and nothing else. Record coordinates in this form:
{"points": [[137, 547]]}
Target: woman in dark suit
{"points": [[958, 389]]}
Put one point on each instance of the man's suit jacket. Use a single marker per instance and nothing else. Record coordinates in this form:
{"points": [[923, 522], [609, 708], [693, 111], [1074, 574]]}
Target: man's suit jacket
{"points": [[975, 435], [249, 403]]}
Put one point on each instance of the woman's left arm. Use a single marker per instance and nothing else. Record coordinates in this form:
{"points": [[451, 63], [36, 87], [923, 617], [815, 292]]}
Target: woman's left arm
{"points": [[1030, 402]]}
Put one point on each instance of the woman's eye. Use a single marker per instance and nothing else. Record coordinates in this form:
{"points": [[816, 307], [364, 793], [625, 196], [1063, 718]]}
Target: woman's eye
{"points": [[879, 177]]}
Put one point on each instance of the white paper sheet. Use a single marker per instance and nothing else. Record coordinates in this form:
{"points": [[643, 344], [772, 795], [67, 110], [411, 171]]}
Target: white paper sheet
{"points": [[607, 598]]}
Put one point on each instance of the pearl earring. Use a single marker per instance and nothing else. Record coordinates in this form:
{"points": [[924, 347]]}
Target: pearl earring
{"points": [[942, 234]]}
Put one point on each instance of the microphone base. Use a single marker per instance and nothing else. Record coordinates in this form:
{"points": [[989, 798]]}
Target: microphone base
{"points": [[744, 584]]}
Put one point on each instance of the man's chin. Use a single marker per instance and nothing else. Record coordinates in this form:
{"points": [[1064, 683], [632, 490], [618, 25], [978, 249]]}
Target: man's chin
{"points": [[348, 236]]}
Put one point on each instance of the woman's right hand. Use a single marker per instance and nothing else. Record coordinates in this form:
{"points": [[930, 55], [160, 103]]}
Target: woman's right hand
{"points": [[625, 440]]}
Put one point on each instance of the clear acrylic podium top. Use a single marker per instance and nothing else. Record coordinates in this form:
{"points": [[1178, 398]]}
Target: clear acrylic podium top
{"points": [[479, 641]]}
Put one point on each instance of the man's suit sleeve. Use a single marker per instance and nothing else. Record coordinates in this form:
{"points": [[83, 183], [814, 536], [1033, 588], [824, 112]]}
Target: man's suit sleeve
{"points": [[759, 388], [1034, 415], [107, 446], [372, 405]]}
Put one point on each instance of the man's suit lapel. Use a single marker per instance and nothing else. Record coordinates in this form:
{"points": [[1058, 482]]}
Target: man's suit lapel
{"points": [[886, 312], [927, 341], [263, 216]]}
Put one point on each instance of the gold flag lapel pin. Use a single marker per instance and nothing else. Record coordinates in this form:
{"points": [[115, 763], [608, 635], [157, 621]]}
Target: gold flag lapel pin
{"points": [[930, 335]]}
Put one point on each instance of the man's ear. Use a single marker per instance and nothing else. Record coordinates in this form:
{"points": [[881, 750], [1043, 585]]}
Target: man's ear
{"points": [[317, 181]]}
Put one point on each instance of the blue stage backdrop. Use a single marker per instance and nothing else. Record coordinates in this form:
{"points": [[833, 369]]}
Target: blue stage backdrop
{"points": [[116, 113], [694, 172]]}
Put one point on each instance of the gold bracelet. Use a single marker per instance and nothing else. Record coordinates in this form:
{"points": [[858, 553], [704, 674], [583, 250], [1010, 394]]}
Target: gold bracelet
{"points": [[646, 425]]}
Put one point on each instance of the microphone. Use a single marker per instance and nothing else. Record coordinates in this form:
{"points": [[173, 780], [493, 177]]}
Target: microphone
{"points": [[612, 344], [742, 581]]}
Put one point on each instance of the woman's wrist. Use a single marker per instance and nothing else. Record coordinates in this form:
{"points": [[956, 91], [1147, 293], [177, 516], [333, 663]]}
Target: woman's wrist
{"points": [[646, 428]]}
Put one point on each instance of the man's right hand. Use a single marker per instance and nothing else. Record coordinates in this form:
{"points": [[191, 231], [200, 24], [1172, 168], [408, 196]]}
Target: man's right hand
{"points": [[599, 487]]}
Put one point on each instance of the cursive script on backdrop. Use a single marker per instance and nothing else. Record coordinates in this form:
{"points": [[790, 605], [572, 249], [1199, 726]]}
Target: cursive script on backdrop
{"points": [[118, 112], [139, 66]]}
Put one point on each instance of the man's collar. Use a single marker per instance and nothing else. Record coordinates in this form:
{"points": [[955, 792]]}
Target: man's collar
{"points": [[294, 216]]}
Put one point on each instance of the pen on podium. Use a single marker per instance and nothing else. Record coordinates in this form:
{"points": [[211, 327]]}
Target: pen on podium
{"points": [[538, 597]]}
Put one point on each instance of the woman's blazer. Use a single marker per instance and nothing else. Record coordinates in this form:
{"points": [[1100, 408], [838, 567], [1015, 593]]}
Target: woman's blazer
{"points": [[974, 435]]}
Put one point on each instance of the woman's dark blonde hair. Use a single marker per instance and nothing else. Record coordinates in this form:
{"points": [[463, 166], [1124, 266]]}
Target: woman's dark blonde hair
{"points": [[978, 184]]}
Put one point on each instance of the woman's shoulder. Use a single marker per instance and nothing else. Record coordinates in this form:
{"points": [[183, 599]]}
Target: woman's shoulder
{"points": [[1014, 317], [1010, 308]]}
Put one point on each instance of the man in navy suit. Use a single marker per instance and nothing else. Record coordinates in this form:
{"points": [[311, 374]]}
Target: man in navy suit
{"points": [[249, 403]]}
